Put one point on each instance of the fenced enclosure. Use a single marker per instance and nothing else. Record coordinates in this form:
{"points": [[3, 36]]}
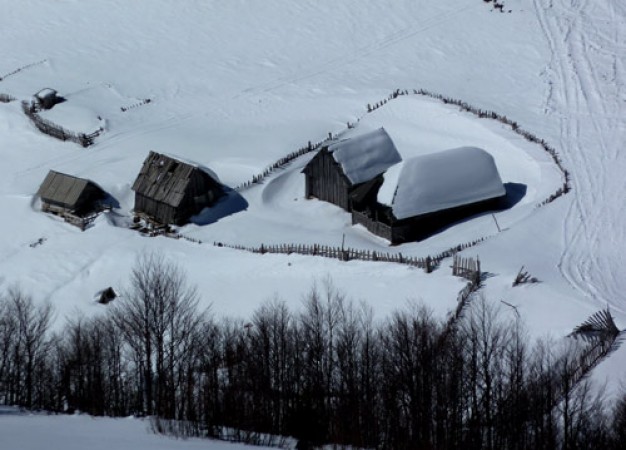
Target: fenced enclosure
{"points": [[57, 131]]}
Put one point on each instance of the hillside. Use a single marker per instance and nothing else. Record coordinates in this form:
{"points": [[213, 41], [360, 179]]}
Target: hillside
{"points": [[236, 85]]}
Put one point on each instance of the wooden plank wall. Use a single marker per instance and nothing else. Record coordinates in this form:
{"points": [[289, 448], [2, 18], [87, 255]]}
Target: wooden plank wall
{"points": [[326, 181]]}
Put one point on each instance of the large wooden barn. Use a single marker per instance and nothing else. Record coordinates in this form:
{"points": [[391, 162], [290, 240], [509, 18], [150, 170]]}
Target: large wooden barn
{"points": [[70, 197], [345, 171], [399, 200], [170, 191], [427, 193]]}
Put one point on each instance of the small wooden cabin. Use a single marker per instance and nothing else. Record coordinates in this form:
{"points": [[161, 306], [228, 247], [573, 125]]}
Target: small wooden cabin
{"points": [[424, 194], [46, 98], [61, 193], [169, 191], [71, 197], [344, 172]]}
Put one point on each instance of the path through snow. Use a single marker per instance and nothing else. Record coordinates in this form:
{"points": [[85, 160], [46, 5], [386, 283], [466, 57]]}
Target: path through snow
{"points": [[588, 43]]}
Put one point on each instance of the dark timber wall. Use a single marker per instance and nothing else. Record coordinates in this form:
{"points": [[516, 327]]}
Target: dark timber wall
{"points": [[325, 180], [380, 222]]}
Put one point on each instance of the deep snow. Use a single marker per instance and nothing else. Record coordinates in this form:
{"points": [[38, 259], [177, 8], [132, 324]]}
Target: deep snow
{"points": [[22, 431], [235, 85]]}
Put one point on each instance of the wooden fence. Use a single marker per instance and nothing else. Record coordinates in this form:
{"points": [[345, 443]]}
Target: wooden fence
{"points": [[488, 114], [342, 254], [428, 263], [468, 268], [6, 98], [57, 131], [464, 106], [279, 164], [145, 101], [19, 69], [372, 225]]}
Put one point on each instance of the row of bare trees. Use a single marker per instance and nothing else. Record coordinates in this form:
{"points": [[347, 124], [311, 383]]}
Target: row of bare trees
{"points": [[328, 372]]}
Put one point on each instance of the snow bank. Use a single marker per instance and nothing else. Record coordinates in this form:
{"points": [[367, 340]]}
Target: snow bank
{"points": [[365, 156], [438, 181], [79, 432]]}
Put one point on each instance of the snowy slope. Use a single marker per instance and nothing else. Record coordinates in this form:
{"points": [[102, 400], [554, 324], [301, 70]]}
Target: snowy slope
{"points": [[235, 85], [79, 432]]}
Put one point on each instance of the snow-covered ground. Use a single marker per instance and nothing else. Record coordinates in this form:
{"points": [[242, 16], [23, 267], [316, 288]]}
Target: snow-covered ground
{"points": [[20, 431], [235, 85]]}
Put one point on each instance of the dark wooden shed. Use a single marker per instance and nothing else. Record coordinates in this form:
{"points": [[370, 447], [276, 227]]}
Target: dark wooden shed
{"points": [[61, 193], [170, 191], [342, 172], [46, 98]]}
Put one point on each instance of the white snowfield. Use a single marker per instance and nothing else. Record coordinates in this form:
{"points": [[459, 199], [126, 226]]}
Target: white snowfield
{"points": [[438, 181], [365, 156], [19, 431], [236, 85]]}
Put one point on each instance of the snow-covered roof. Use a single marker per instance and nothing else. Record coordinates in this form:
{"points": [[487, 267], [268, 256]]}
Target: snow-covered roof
{"points": [[439, 181], [165, 178], [46, 92], [63, 189], [366, 156]]}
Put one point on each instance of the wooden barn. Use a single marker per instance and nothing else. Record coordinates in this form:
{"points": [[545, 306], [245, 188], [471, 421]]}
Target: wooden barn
{"points": [[424, 194], [71, 197], [170, 191], [345, 171]]}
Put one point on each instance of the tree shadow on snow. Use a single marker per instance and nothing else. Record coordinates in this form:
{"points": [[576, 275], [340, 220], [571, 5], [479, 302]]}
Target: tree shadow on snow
{"points": [[230, 203]]}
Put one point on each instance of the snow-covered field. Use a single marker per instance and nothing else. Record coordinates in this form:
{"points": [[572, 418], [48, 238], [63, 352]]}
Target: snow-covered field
{"points": [[20, 431], [235, 85]]}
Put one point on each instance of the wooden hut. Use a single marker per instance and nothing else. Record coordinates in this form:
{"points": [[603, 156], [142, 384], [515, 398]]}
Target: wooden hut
{"points": [[427, 193], [170, 191], [70, 197], [46, 98], [345, 171]]}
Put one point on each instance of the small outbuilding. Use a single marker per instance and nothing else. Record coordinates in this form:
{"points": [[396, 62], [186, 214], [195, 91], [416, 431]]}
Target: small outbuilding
{"points": [[170, 191], [71, 197], [426, 193], [46, 98], [344, 172]]}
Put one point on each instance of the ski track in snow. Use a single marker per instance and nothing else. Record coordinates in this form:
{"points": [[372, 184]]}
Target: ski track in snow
{"points": [[585, 38]]}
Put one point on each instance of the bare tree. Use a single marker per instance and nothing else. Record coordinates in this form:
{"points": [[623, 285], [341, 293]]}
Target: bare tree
{"points": [[158, 314]]}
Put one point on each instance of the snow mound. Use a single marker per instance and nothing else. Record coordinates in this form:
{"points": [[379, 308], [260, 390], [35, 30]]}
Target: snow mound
{"points": [[438, 181], [365, 156]]}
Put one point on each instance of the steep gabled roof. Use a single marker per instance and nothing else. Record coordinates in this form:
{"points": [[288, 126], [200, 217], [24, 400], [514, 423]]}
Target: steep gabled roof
{"points": [[438, 181], [62, 188], [366, 156], [165, 179]]}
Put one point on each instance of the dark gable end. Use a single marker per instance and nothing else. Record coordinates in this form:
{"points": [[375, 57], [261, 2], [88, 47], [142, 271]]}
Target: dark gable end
{"points": [[325, 180], [171, 191]]}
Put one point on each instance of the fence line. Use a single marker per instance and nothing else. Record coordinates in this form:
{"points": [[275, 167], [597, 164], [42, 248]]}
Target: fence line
{"points": [[19, 69], [6, 98], [57, 131], [488, 114], [464, 106], [145, 101], [468, 268], [279, 164], [428, 263]]}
